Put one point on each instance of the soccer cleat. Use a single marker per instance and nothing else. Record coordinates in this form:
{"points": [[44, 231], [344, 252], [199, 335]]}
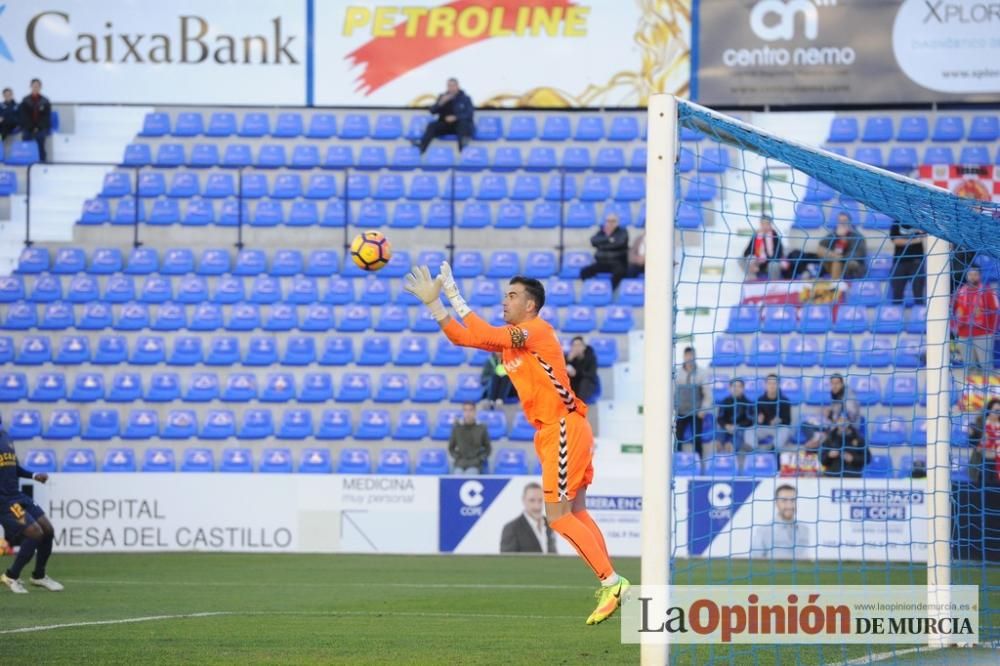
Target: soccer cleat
{"points": [[608, 600], [48, 584], [14, 584]]}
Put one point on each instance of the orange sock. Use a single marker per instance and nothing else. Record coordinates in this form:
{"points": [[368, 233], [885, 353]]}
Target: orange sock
{"points": [[582, 539], [585, 518]]}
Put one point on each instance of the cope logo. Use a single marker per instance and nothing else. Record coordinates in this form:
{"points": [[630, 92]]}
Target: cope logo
{"points": [[774, 20], [720, 498], [471, 495]]}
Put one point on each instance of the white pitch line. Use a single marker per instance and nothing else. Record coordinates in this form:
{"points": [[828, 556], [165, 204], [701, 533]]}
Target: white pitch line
{"points": [[445, 586], [881, 656], [96, 623]]}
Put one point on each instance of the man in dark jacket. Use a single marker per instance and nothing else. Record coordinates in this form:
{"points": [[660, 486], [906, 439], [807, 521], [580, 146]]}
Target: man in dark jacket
{"points": [[581, 366], [610, 251], [36, 117], [844, 250], [470, 442], [9, 114], [529, 532], [774, 415], [454, 111], [734, 417], [844, 451]]}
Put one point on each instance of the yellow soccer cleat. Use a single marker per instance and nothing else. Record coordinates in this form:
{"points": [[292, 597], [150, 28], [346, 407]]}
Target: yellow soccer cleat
{"points": [[608, 600]]}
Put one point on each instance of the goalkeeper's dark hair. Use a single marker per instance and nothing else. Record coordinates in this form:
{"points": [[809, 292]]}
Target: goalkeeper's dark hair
{"points": [[533, 288]]}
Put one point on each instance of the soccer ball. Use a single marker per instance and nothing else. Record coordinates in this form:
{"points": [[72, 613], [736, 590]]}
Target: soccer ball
{"points": [[370, 250]]}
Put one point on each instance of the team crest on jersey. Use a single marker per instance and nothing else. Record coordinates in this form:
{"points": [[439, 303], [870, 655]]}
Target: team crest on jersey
{"points": [[518, 337]]}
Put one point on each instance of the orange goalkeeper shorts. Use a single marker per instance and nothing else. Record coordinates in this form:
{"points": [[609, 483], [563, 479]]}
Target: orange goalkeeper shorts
{"points": [[566, 450]]}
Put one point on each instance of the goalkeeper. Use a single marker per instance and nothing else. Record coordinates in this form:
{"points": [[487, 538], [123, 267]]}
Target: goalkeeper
{"points": [[564, 442]]}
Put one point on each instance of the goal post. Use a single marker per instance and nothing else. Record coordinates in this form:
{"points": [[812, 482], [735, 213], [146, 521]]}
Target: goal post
{"points": [[721, 222]]}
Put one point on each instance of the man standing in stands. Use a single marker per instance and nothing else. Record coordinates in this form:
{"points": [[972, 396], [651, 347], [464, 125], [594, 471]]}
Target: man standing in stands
{"points": [[36, 118], [9, 114], [975, 320], [454, 111], [581, 366], [529, 532], [763, 255], [20, 516], [610, 251], [774, 415], [907, 262], [691, 400], [470, 442]]}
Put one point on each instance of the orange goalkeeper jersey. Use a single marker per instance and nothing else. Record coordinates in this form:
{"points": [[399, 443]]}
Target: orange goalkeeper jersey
{"points": [[533, 359]]}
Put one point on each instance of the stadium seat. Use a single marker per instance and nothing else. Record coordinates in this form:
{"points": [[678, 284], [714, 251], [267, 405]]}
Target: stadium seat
{"points": [[877, 129], [866, 292], [321, 263], [148, 350], [917, 322], [808, 216], [159, 459], [6, 349], [322, 126], [373, 424], [878, 467], [223, 350], [288, 126], [34, 350], [11, 289], [354, 387], [760, 464], [888, 319], [79, 460], [447, 354], [867, 389], [22, 153], [577, 159], [869, 155], [744, 319], [875, 351], [850, 319], [596, 292], [948, 128], [984, 128], [21, 316], [102, 424], [581, 215], [47, 288], [473, 158], [204, 155], [354, 461], [541, 158], [198, 459], [901, 390], [33, 260], [902, 158], [701, 189], [164, 387], [155, 125], [316, 387], [111, 349], [335, 424], [561, 188], [62, 424], [315, 461], [72, 350], [141, 424], [413, 425], [236, 460], [355, 126], [337, 350], [468, 388], [444, 422], [939, 155], [579, 319], [909, 352], [843, 129], [686, 463], [503, 264], [728, 351], [202, 387], [510, 462], [623, 128], [506, 158], [236, 156], [430, 387], [8, 183], [617, 319], [765, 351], [49, 387], [974, 156], [404, 158], [338, 157], [220, 185], [137, 155], [393, 388], [295, 424], [218, 424], [304, 157], [40, 461], [125, 387], [432, 462], [511, 215], [912, 128], [354, 318], [256, 424], [119, 460]]}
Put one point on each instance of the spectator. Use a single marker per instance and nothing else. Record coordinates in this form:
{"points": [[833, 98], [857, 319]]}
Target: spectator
{"points": [[984, 436], [454, 116], [581, 366], [975, 320], [774, 414], [784, 538], [9, 114], [36, 118], [497, 387], [907, 262], [844, 451], [844, 250], [961, 260], [529, 532], [610, 251], [470, 442], [841, 401], [637, 256], [734, 420], [764, 256], [691, 400], [801, 454]]}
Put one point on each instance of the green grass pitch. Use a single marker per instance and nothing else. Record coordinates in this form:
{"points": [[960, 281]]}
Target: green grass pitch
{"points": [[361, 609]]}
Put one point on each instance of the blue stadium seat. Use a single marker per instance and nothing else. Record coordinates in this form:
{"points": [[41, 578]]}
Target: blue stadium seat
{"points": [[877, 129], [808, 216], [355, 126], [204, 155], [432, 462], [299, 350], [63, 424], [522, 128], [511, 215], [265, 289], [159, 459], [223, 350], [596, 292], [878, 467], [413, 351], [237, 155], [392, 319], [25, 424], [198, 459], [686, 463], [244, 317], [69, 260], [73, 350], [875, 351], [102, 424], [448, 355], [948, 128], [714, 160], [287, 186], [503, 264], [909, 352], [119, 460], [240, 387], [495, 422], [372, 158], [867, 389], [255, 125], [765, 351], [375, 292], [510, 462], [354, 461], [47, 288], [315, 461], [49, 387], [541, 158], [8, 183], [229, 289], [744, 319], [573, 261], [430, 387], [917, 323], [33, 260], [295, 424], [304, 157], [984, 128], [443, 424], [288, 126], [404, 158], [589, 128], [218, 424], [338, 157], [801, 351], [303, 290], [373, 424], [111, 349], [319, 317], [721, 465], [236, 461], [888, 319], [869, 155], [609, 160], [760, 464], [489, 128], [375, 350], [901, 390], [354, 387], [169, 155], [184, 184], [779, 319], [912, 128], [6, 349], [11, 289], [148, 350], [555, 128], [792, 388], [475, 215], [155, 125], [393, 461], [851, 319], [630, 188], [728, 351], [337, 350], [256, 424], [22, 153], [220, 185], [322, 126], [169, 317], [902, 158], [468, 388], [125, 387], [406, 215], [21, 316], [180, 424], [939, 155], [189, 123], [606, 350], [701, 188], [974, 156], [843, 129], [522, 430], [56, 316], [40, 461], [413, 425], [618, 319], [484, 292], [598, 188], [141, 424], [473, 158], [506, 158], [278, 387], [137, 155], [334, 424], [164, 387], [79, 460], [156, 289]]}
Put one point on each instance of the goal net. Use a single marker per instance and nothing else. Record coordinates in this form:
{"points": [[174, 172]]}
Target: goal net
{"points": [[831, 327]]}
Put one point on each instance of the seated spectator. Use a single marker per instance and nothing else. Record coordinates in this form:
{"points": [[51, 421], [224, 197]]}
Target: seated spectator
{"points": [[841, 401], [470, 442], [764, 256], [36, 118], [844, 451], [975, 320], [734, 420], [610, 251], [844, 250], [454, 112], [637, 256], [691, 400], [9, 114], [907, 262], [581, 366], [497, 387], [984, 436], [774, 415]]}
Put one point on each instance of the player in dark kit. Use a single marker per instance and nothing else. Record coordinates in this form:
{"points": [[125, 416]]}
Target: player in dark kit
{"points": [[19, 515]]}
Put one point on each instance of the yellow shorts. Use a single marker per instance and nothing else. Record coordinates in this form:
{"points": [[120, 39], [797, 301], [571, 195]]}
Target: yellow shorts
{"points": [[566, 450]]}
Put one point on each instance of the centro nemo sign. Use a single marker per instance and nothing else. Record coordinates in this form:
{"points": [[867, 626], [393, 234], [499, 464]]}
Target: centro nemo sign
{"points": [[189, 43]]}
